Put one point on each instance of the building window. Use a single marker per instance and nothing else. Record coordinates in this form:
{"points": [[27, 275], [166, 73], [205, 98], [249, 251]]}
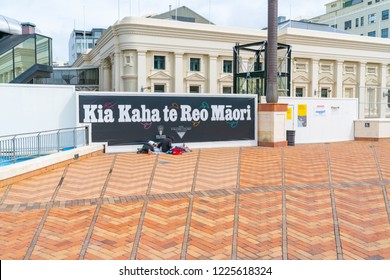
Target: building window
{"points": [[385, 33], [388, 98], [348, 93], [299, 92], [159, 62], [362, 21], [385, 14], [372, 34], [227, 90], [347, 25], [369, 3], [334, 26], [372, 18], [357, 22], [159, 88], [128, 60], [195, 64], [325, 92], [227, 66], [194, 89]]}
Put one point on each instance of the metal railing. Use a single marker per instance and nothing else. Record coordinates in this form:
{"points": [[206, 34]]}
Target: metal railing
{"points": [[20, 147]]}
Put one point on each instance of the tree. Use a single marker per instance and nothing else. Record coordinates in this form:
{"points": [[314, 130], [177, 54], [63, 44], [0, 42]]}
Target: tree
{"points": [[272, 52]]}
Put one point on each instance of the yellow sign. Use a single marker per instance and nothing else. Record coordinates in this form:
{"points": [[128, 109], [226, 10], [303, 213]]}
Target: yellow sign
{"points": [[302, 115], [289, 114], [302, 110]]}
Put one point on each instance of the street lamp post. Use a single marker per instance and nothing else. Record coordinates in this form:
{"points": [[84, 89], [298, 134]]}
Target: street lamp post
{"points": [[272, 52]]}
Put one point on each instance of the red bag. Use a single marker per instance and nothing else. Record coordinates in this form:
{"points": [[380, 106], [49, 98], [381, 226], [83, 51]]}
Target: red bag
{"points": [[177, 151]]}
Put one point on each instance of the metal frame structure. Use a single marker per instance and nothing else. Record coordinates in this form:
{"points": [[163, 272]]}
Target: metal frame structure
{"points": [[256, 71]]}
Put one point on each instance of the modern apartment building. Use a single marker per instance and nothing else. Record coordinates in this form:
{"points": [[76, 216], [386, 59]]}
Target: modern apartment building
{"points": [[81, 41], [360, 17]]}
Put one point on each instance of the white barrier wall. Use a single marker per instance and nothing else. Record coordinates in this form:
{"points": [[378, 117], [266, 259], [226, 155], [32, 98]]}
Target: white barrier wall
{"points": [[31, 108], [320, 120]]}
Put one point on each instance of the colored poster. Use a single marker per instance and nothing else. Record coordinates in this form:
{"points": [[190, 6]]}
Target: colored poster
{"points": [[302, 115], [320, 110], [135, 119], [289, 114]]}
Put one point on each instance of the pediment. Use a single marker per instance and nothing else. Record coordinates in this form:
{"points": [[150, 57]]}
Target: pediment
{"points": [[326, 80], [350, 81], [372, 81], [160, 75], [226, 78], [195, 77], [301, 79]]}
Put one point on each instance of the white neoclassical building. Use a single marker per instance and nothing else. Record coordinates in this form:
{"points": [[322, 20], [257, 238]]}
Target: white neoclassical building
{"points": [[145, 54]]}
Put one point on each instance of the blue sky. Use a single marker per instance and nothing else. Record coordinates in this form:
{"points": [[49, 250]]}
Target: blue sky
{"points": [[57, 18]]}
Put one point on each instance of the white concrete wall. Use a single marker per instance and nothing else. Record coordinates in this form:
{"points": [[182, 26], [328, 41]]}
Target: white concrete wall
{"points": [[31, 108], [335, 124]]}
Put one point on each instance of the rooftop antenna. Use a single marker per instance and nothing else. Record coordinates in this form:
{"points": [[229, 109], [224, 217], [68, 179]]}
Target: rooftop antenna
{"points": [[177, 6], [129, 7], [209, 10], [118, 11], [85, 40]]}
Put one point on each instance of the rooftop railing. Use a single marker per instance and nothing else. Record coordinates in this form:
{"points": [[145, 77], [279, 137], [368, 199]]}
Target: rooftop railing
{"points": [[21, 147]]}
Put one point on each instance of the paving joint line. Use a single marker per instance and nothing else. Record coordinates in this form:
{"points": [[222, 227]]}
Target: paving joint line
{"points": [[44, 217], [170, 196], [137, 238], [336, 225], [91, 228], [236, 209], [5, 194], [184, 246], [284, 211], [382, 183]]}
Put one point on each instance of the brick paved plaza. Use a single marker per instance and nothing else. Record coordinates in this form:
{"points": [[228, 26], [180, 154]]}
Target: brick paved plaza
{"points": [[319, 201]]}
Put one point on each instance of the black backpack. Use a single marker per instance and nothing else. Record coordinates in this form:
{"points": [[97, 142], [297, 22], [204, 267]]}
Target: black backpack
{"points": [[145, 148]]}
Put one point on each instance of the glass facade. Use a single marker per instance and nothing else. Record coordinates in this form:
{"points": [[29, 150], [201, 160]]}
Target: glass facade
{"points": [[72, 76], [36, 49]]}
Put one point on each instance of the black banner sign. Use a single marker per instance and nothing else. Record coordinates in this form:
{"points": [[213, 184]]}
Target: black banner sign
{"points": [[135, 119]]}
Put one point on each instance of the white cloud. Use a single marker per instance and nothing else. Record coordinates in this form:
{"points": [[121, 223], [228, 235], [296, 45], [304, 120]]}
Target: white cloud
{"points": [[57, 18]]}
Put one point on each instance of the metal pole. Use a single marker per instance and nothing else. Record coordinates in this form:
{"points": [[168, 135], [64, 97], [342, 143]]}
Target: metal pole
{"points": [[272, 52]]}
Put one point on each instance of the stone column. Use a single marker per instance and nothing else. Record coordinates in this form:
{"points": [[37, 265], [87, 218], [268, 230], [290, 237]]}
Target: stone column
{"points": [[117, 72], [179, 79], [105, 82], [141, 63], [315, 92], [362, 89], [213, 88], [339, 80]]}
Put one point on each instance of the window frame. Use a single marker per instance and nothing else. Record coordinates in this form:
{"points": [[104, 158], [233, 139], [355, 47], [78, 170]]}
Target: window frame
{"points": [[225, 65], [159, 62], [385, 16], [195, 61], [159, 85]]}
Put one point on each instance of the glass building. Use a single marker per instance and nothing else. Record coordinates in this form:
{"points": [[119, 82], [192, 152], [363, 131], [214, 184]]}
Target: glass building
{"points": [[25, 57], [84, 79]]}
